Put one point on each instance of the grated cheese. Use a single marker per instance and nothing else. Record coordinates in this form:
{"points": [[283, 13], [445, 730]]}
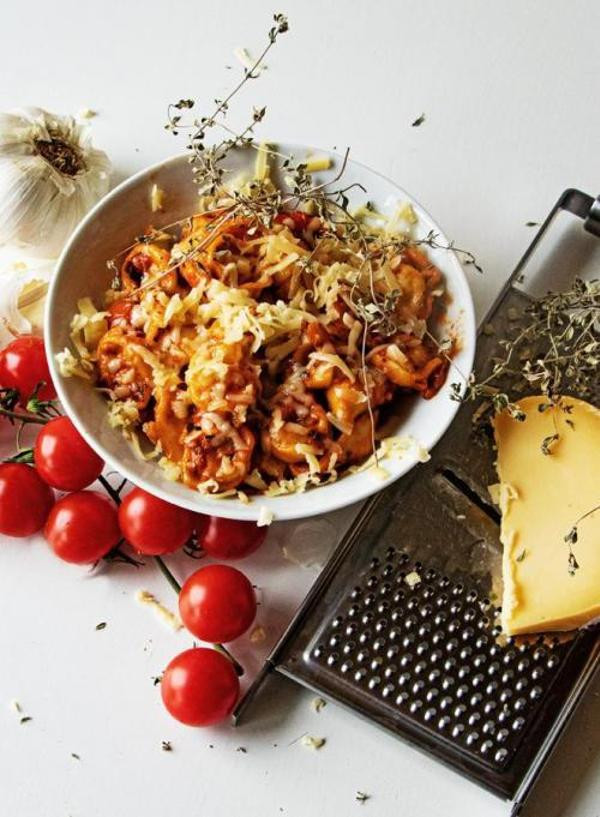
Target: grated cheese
{"points": [[150, 600], [157, 198], [333, 361], [265, 517], [316, 163], [313, 742], [70, 366], [261, 166]]}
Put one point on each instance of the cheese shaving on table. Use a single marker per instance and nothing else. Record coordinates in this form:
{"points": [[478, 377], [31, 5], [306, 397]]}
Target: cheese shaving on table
{"points": [[313, 742], [265, 517], [258, 634], [150, 600]]}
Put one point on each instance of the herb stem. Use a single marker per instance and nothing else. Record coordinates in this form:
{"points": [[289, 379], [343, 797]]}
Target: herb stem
{"points": [[236, 664], [23, 418], [114, 495], [162, 566]]}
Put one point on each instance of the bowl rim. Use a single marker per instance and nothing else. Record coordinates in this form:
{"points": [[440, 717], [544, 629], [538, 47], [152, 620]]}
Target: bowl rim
{"points": [[231, 507]]}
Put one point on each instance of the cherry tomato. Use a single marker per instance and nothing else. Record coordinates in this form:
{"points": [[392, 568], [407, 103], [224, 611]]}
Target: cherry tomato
{"points": [[200, 687], [82, 527], [23, 365], [217, 603], [25, 500], [228, 538], [153, 526], [63, 458]]}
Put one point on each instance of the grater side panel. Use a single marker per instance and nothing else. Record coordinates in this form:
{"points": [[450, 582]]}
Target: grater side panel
{"points": [[403, 624]]}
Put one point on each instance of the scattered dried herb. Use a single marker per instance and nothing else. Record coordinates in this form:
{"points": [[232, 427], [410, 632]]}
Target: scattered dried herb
{"points": [[75, 756], [101, 625], [548, 442], [532, 223], [418, 121], [241, 749], [521, 556], [26, 719], [362, 796], [166, 746]]}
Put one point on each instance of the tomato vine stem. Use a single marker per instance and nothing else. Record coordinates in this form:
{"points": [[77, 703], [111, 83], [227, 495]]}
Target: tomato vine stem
{"points": [[165, 570]]}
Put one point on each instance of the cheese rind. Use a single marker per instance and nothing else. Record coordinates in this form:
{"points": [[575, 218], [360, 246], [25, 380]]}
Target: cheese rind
{"points": [[541, 498]]}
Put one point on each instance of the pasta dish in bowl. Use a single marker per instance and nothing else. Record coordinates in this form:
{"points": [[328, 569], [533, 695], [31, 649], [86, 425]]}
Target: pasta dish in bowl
{"points": [[262, 345]]}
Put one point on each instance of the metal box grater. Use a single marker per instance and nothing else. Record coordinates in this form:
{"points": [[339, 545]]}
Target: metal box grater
{"points": [[423, 655]]}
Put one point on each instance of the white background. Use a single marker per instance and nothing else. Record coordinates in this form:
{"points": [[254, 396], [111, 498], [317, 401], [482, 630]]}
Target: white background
{"points": [[510, 94]]}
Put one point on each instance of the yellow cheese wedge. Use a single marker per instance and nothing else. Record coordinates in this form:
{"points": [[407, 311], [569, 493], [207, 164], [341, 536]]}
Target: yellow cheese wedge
{"points": [[541, 497]]}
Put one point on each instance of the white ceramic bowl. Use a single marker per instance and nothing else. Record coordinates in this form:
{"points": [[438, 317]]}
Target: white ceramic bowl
{"points": [[124, 214]]}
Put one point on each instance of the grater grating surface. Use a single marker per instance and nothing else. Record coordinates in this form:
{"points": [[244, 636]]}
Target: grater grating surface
{"points": [[430, 652], [402, 624]]}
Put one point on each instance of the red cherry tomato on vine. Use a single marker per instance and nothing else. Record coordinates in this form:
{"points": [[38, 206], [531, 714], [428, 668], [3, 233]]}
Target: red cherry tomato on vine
{"points": [[217, 603], [82, 527], [25, 500], [23, 365], [200, 687], [63, 458], [229, 538], [153, 526]]}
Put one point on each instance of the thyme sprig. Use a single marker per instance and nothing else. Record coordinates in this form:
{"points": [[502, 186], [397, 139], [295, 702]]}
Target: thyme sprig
{"points": [[572, 538], [206, 160], [556, 351]]}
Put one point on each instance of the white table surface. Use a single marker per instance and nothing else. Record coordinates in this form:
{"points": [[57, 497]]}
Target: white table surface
{"points": [[512, 118]]}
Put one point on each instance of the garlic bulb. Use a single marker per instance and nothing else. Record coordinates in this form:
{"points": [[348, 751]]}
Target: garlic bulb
{"points": [[50, 176]]}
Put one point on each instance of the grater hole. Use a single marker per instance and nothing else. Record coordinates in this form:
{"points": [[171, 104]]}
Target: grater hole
{"points": [[501, 755]]}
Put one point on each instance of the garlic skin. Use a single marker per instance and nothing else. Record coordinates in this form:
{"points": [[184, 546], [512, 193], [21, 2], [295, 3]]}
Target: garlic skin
{"points": [[23, 286], [50, 176]]}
